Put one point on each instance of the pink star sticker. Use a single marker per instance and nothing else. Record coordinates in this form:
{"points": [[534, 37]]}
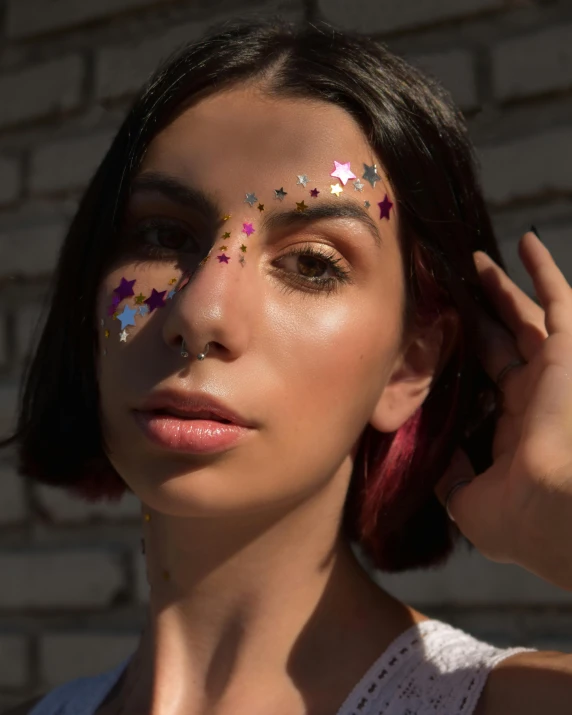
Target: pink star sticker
{"points": [[247, 228], [124, 289], [343, 172], [156, 300], [385, 207], [223, 258]]}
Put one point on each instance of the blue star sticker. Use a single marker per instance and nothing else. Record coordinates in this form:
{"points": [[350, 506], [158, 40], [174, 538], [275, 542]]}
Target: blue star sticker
{"points": [[170, 294], [143, 310], [127, 317]]}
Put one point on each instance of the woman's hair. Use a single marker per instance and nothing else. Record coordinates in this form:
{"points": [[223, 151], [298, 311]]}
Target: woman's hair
{"points": [[391, 511]]}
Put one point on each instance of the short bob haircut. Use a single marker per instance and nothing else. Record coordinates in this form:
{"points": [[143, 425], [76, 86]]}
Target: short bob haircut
{"points": [[391, 511]]}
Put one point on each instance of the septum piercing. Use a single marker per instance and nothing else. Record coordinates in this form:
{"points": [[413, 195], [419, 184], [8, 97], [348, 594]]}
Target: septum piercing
{"points": [[184, 352], [200, 356]]}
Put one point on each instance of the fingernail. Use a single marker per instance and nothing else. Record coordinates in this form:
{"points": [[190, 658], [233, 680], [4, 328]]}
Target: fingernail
{"points": [[534, 230]]}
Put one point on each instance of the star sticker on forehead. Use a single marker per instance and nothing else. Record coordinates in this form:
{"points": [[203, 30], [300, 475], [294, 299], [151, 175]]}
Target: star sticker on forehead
{"points": [[155, 300], [243, 248], [371, 174], [280, 193], [385, 207], [124, 289], [248, 229], [301, 207], [226, 234], [127, 317], [358, 186], [250, 199], [336, 189], [302, 180], [314, 193], [261, 207], [223, 258], [343, 172], [242, 261]]}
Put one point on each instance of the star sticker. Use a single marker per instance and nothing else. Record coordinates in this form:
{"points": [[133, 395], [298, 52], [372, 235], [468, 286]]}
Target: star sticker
{"points": [[155, 300], [302, 180], [226, 234], [222, 248], [337, 189], [385, 207], [123, 336], [107, 333], [127, 317], [343, 172], [250, 199], [301, 207], [226, 217], [124, 289], [366, 204], [358, 186], [261, 207], [223, 258], [139, 299], [371, 174], [171, 294], [115, 315], [314, 193], [243, 248], [172, 281], [143, 310], [111, 309], [280, 193], [247, 228], [242, 261], [102, 322]]}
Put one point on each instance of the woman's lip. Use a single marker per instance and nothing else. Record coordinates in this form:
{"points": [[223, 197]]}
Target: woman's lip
{"points": [[189, 435]]}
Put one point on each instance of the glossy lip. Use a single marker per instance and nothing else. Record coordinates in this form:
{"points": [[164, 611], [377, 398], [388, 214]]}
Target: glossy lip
{"points": [[187, 404]]}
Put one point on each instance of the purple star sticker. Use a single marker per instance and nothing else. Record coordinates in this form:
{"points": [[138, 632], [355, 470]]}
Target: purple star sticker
{"points": [[155, 300], [114, 303], [223, 258], [124, 289], [314, 193], [385, 207], [247, 228]]}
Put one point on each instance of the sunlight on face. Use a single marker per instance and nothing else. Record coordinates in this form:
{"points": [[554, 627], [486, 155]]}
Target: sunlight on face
{"points": [[269, 216]]}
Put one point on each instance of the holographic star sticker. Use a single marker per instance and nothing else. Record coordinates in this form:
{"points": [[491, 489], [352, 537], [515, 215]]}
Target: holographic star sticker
{"points": [[223, 259], [371, 174], [343, 172], [171, 294], [155, 300], [358, 186], [143, 310], [301, 207], [280, 193], [250, 199], [302, 180], [314, 193], [248, 228], [385, 207], [127, 317], [123, 336], [124, 289], [336, 189]]}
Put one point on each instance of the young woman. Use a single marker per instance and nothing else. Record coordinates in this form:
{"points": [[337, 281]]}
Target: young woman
{"points": [[267, 322]]}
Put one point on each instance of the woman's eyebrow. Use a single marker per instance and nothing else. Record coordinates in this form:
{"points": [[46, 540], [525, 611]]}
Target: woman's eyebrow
{"points": [[337, 208], [176, 191]]}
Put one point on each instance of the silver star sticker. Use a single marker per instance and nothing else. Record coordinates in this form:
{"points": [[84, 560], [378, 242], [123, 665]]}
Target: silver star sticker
{"points": [[123, 336], [371, 174], [241, 260], [102, 322], [358, 186], [366, 204], [250, 199], [302, 180], [280, 193]]}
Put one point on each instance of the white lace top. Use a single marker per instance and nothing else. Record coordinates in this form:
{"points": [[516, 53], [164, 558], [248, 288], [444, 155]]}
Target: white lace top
{"points": [[430, 669]]}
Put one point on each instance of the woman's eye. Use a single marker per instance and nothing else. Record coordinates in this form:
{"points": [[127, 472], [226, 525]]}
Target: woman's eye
{"points": [[306, 265], [167, 235]]}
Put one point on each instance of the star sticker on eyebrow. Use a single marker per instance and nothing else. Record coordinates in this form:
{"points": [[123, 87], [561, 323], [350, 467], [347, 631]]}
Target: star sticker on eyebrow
{"points": [[250, 199], [280, 193], [385, 207], [302, 180], [371, 174], [223, 258], [315, 193], [336, 189], [248, 228], [343, 172], [301, 206]]}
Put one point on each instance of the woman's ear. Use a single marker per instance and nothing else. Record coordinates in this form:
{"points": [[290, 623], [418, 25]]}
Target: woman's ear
{"points": [[418, 365]]}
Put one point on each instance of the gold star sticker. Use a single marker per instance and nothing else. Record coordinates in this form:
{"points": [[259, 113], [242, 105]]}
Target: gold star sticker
{"points": [[140, 299], [301, 206], [226, 234], [222, 248], [172, 281], [115, 315], [205, 259], [107, 333], [337, 189], [226, 217], [243, 248], [261, 207]]}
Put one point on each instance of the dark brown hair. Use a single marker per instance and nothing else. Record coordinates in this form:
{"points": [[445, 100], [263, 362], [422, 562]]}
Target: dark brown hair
{"points": [[410, 122]]}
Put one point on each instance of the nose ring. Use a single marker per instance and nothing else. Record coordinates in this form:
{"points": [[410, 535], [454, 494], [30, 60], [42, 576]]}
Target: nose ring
{"points": [[184, 352], [202, 356]]}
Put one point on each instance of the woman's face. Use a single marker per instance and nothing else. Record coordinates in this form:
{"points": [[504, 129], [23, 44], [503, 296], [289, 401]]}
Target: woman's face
{"points": [[301, 346]]}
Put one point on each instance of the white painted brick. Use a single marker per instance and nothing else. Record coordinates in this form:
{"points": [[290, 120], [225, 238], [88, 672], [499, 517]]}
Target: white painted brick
{"points": [[10, 179], [66, 656], [13, 661], [69, 579], [8, 405], [469, 579], [122, 70], [67, 164], [380, 16], [27, 327], [13, 506], [30, 251], [532, 64], [41, 90], [456, 72], [31, 17], [63, 507], [528, 166]]}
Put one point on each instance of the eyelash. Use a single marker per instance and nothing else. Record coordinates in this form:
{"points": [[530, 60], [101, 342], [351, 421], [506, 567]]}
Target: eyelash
{"points": [[328, 285]]}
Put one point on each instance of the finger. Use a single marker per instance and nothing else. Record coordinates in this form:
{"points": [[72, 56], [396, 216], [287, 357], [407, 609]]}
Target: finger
{"points": [[550, 284], [520, 314]]}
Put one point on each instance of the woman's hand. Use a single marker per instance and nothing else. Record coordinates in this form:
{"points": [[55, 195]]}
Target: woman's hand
{"points": [[520, 509]]}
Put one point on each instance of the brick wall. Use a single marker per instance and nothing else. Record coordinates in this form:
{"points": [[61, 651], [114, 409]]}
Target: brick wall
{"points": [[73, 588]]}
